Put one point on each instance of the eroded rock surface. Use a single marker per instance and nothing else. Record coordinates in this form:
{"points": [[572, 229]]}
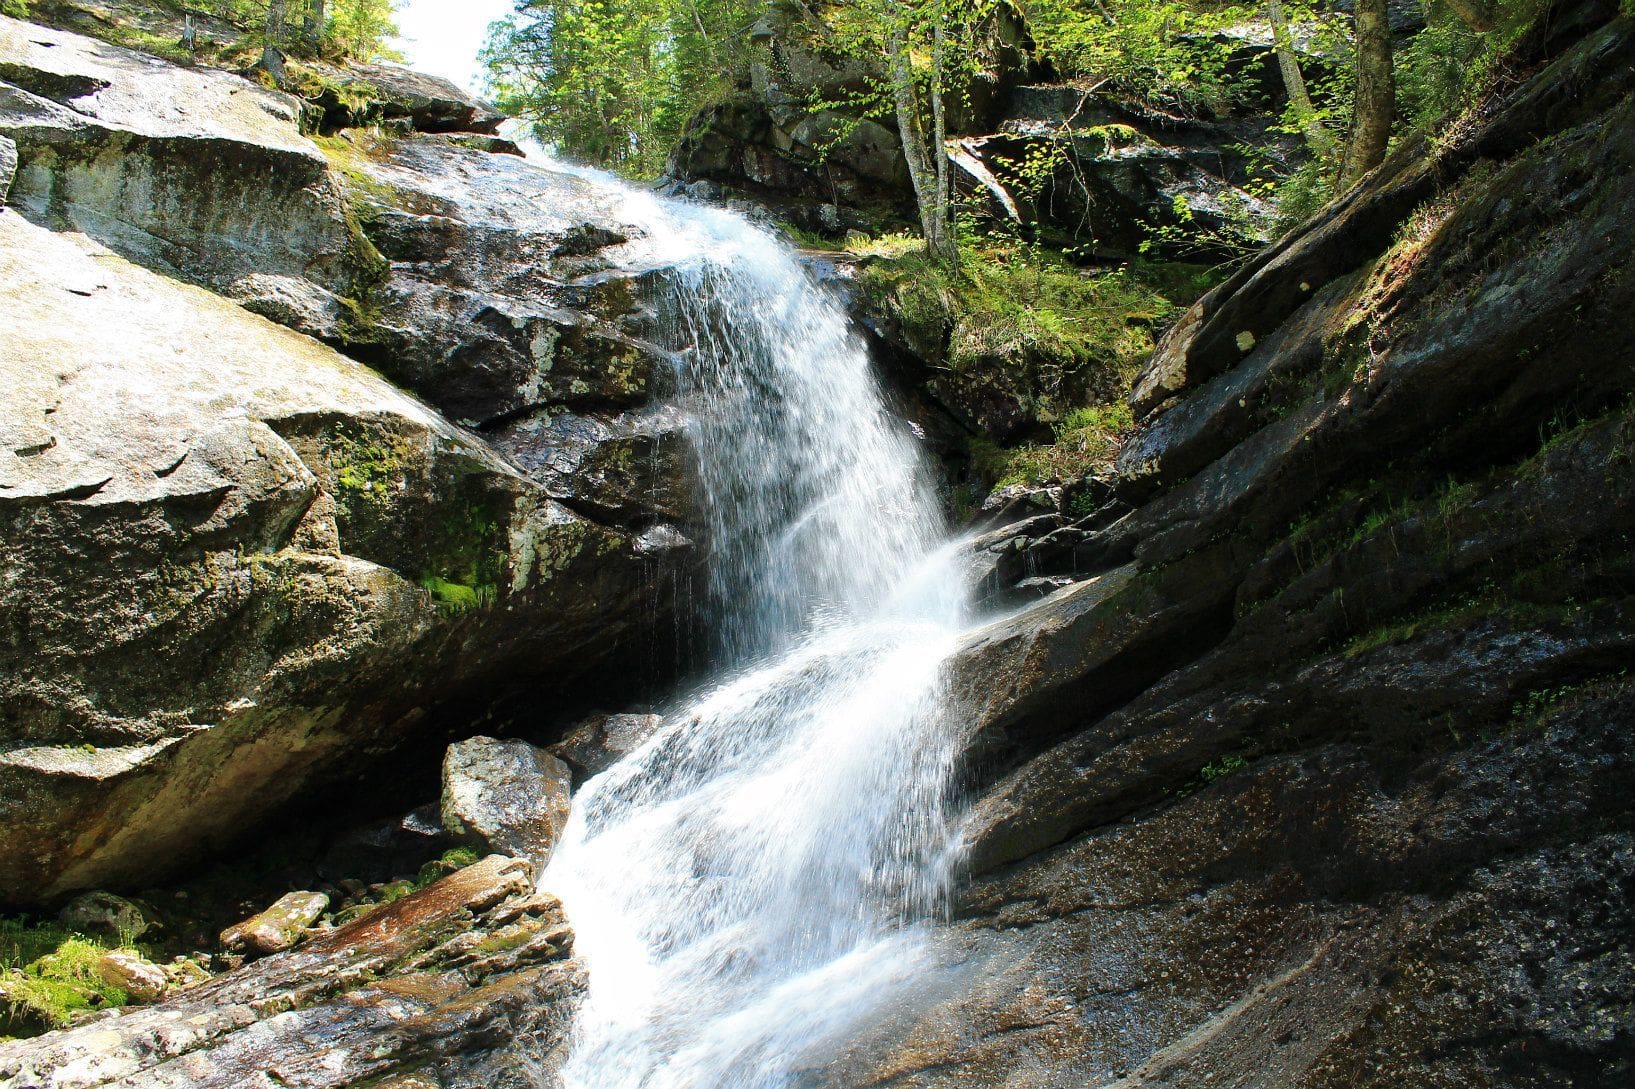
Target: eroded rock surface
{"points": [[466, 983], [1320, 773], [234, 558]]}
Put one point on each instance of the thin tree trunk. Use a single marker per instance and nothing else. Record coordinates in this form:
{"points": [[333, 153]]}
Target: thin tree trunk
{"points": [[709, 43], [312, 30], [914, 154], [1376, 99], [271, 58], [939, 124], [1318, 138]]}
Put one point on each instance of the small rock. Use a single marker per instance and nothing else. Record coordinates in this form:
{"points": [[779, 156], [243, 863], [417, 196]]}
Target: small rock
{"points": [[425, 820], [506, 796], [185, 972], [104, 915], [132, 973], [600, 741], [280, 926]]}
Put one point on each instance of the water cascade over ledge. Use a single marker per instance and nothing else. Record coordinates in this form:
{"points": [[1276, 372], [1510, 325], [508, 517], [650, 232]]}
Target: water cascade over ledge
{"points": [[750, 886]]}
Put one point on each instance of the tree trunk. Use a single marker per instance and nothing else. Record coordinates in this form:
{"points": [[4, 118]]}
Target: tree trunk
{"points": [[1318, 138], [271, 58], [312, 31], [1476, 14], [1376, 104], [939, 124], [920, 171]]}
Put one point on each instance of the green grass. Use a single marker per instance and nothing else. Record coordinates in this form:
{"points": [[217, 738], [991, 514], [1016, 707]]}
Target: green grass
{"points": [[1063, 342], [1008, 301], [1086, 441], [1220, 769], [458, 597], [48, 977]]}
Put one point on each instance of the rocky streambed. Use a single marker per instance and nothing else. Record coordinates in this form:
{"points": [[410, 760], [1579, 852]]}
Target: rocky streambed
{"points": [[1311, 768]]}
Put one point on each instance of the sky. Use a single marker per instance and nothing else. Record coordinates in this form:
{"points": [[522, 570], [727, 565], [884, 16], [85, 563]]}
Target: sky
{"points": [[442, 36]]}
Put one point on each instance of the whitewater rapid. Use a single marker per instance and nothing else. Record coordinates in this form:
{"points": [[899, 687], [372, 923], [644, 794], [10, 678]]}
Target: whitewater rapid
{"points": [[753, 885]]}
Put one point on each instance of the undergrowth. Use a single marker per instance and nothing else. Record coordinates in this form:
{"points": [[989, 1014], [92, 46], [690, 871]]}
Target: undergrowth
{"points": [[1085, 441], [1008, 300], [48, 977]]}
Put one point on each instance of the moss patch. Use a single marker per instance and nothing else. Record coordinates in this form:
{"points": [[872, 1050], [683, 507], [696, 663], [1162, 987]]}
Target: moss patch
{"points": [[48, 977], [1013, 305], [1086, 442]]}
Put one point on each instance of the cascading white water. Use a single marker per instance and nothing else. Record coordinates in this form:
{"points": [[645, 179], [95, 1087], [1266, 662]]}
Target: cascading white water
{"points": [[747, 887]]}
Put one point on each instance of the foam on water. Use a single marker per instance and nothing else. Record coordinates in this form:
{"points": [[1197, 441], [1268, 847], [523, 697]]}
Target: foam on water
{"points": [[749, 887]]}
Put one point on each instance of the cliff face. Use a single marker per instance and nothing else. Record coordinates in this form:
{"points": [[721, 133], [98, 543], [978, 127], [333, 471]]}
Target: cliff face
{"points": [[236, 559], [1320, 774]]}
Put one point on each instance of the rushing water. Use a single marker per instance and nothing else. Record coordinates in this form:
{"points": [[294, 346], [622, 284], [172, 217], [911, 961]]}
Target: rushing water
{"points": [[748, 888]]}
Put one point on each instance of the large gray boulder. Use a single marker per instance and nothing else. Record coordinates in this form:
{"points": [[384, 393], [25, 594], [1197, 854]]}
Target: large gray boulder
{"points": [[235, 559], [192, 171], [479, 281], [428, 103]]}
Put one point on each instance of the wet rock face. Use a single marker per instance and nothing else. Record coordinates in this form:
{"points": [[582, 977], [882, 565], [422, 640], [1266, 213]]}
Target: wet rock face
{"points": [[600, 741], [466, 983], [1319, 772], [8, 167], [506, 797]]}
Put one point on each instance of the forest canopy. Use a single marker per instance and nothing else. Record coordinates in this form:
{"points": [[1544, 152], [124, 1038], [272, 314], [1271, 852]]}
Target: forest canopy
{"points": [[614, 82]]}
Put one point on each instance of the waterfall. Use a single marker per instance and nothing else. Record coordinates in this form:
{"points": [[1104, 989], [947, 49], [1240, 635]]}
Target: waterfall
{"points": [[749, 887]]}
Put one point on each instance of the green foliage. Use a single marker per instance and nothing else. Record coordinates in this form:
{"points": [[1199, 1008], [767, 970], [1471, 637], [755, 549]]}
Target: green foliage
{"points": [[361, 30], [613, 82], [1442, 69], [17, 9], [1165, 52], [1051, 334], [1086, 441], [1541, 704], [1008, 300], [48, 977], [353, 29], [1220, 769]]}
